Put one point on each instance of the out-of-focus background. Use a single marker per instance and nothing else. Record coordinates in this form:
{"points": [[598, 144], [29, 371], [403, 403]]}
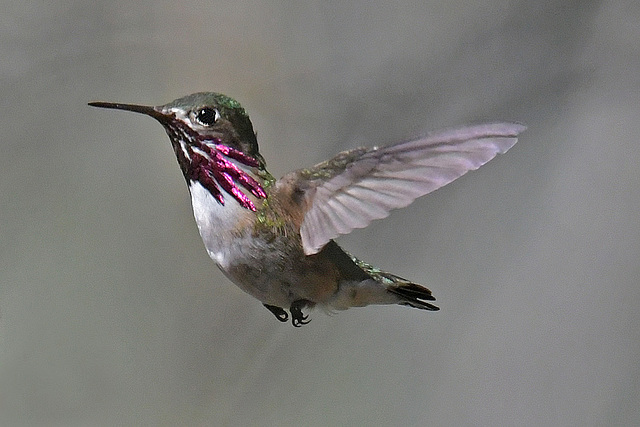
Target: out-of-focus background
{"points": [[111, 313]]}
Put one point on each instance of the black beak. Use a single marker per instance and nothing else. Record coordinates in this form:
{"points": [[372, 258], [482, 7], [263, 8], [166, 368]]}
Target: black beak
{"points": [[142, 109]]}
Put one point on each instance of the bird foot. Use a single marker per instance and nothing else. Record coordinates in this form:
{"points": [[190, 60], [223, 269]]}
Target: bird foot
{"points": [[279, 312], [297, 317]]}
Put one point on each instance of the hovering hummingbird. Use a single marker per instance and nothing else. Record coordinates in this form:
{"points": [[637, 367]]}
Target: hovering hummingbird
{"points": [[274, 238]]}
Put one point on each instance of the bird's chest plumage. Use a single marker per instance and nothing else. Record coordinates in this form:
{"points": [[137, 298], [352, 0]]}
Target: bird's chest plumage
{"points": [[219, 225], [268, 264]]}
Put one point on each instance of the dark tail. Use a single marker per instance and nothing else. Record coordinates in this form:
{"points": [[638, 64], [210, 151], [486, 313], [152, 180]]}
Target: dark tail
{"points": [[413, 295], [352, 268]]}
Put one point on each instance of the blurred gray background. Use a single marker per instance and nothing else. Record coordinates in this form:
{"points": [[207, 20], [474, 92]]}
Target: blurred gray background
{"points": [[111, 312]]}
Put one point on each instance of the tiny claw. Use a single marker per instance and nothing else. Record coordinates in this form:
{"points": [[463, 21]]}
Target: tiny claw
{"points": [[279, 312], [297, 317]]}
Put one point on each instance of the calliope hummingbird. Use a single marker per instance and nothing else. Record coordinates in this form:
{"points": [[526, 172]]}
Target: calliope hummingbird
{"points": [[274, 237]]}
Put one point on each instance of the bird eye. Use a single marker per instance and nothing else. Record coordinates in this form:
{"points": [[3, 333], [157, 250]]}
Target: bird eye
{"points": [[207, 116]]}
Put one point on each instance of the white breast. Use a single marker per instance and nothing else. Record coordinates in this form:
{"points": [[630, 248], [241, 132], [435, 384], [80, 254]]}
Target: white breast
{"points": [[215, 221]]}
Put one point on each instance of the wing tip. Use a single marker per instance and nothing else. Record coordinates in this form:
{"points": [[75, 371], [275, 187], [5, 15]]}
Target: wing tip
{"points": [[500, 129], [516, 128]]}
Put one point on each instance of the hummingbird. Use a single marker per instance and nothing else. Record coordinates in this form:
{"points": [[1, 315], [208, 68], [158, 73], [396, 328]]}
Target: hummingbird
{"points": [[274, 238]]}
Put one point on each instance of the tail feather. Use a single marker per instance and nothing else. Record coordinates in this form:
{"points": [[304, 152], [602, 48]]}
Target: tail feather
{"points": [[410, 293], [374, 282], [414, 295]]}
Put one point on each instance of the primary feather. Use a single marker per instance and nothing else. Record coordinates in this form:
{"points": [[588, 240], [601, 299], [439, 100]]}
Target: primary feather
{"points": [[361, 185]]}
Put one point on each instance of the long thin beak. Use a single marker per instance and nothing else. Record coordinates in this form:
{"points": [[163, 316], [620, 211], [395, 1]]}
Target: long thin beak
{"points": [[142, 109]]}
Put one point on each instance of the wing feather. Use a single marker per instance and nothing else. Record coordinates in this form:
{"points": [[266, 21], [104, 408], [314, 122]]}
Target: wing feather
{"points": [[359, 186]]}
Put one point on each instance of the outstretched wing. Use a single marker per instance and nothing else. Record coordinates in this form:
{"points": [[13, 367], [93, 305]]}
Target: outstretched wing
{"points": [[358, 186]]}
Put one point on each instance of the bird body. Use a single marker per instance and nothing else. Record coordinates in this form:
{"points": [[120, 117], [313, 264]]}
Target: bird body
{"points": [[274, 238]]}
